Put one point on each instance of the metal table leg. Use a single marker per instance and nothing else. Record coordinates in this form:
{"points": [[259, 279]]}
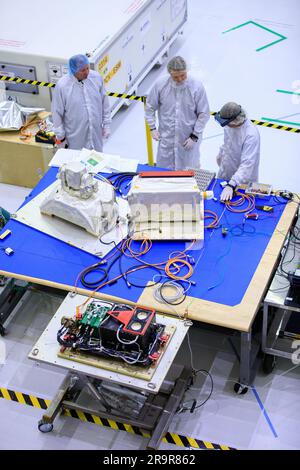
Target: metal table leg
{"points": [[245, 359], [265, 326], [248, 358], [46, 423], [170, 408], [11, 293]]}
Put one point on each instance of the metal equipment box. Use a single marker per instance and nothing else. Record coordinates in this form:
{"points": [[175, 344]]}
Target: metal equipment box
{"points": [[123, 39]]}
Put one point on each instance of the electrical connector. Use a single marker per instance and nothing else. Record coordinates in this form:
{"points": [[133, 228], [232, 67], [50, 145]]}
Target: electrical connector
{"points": [[286, 195], [164, 339], [224, 231], [8, 251], [78, 313], [5, 234], [251, 216], [193, 406], [265, 208], [154, 356]]}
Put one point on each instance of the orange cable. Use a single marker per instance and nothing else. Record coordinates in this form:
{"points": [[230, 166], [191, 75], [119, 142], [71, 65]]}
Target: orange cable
{"points": [[211, 215], [231, 205]]}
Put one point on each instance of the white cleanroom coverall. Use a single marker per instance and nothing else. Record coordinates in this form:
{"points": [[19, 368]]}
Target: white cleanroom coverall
{"points": [[238, 157], [80, 110], [182, 110]]}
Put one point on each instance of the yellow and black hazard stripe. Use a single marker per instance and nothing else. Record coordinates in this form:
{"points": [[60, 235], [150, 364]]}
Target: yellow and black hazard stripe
{"points": [[127, 97], [25, 81], [94, 419], [276, 126], [295, 130], [190, 442], [170, 438], [24, 398]]}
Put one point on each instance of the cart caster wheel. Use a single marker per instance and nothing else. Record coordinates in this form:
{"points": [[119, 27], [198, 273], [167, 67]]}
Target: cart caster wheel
{"points": [[45, 427], [2, 330], [240, 389], [268, 364]]}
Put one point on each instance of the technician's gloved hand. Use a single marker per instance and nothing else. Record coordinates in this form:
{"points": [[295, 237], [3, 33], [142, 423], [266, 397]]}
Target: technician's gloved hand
{"points": [[105, 132], [226, 194], [155, 134], [188, 144]]}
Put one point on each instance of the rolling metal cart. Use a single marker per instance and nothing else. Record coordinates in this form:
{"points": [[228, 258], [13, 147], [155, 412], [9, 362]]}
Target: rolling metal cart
{"points": [[106, 392], [279, 307]]}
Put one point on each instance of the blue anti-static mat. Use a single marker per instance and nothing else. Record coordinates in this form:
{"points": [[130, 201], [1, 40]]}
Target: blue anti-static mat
{"points": [[224, 267]]}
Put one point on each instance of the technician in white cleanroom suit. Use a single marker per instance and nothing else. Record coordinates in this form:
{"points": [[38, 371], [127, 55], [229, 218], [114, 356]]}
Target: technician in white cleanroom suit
{"points": [[238, 157], [183, 112], [80, 107]]}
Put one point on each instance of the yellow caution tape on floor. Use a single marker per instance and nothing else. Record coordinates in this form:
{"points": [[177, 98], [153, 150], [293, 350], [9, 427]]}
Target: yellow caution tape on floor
{"points": [[24, 398], [170, 438]]}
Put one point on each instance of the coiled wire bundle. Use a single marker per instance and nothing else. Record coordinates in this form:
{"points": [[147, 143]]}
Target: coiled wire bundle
{"points": [[176, 298]]}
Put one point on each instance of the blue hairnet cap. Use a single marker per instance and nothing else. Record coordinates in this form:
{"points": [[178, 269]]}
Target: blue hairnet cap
{"points": [[77, 62]]}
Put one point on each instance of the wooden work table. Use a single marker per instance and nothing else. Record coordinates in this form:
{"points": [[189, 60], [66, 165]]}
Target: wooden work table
{"points": [[231, 274]]}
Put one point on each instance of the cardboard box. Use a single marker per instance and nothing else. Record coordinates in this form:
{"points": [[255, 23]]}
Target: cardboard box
{"points": [[23, 163]]}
